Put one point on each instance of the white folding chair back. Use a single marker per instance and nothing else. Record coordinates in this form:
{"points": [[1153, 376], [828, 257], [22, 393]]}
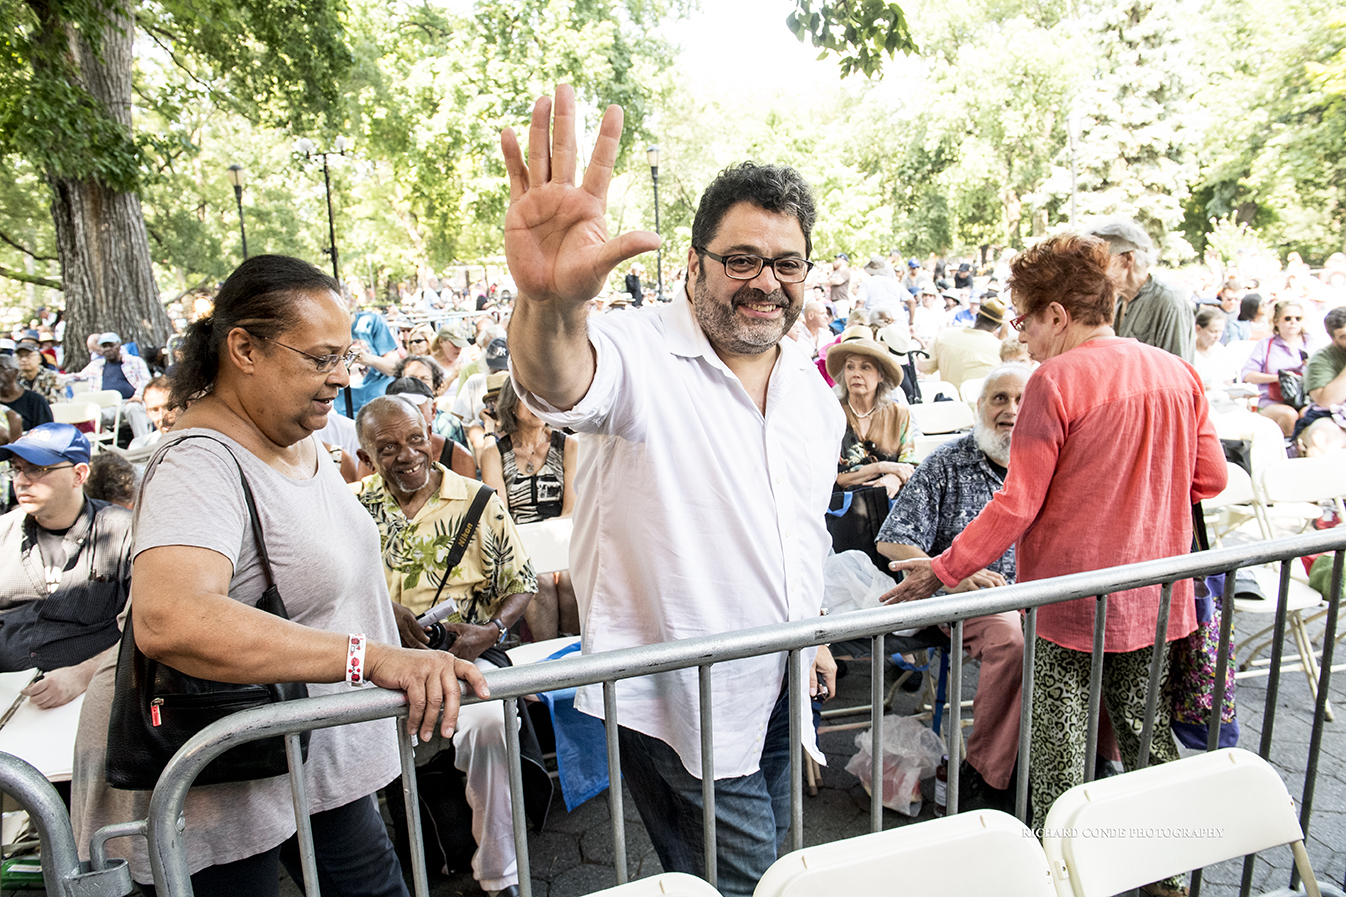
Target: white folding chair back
{"points": [[1291, 489], [547, 543], [927, 444], [971, 390], [982, 852], [1119, 833], [107, 398], [80, 386], [666, 884], [76, 412], [942, 417], [1231, 508], [931, 388]]}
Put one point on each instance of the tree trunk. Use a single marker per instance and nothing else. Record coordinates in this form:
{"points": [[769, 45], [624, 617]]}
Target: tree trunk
{"points": [[106, 271]]}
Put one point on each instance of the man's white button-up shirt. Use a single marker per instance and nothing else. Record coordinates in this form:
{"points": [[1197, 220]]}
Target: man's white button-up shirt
{"points": [[697, 514]]}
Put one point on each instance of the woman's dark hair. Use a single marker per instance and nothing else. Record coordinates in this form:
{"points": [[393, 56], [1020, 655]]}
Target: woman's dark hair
{"points": [[1068, 268], [1208, 313], [506, 418], [1250, 306], [111, 478], [260, 295], [436, 372]]}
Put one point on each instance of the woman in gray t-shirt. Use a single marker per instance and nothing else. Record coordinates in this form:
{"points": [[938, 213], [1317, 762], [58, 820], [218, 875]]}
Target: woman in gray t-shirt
{"points": [[261, 374]]}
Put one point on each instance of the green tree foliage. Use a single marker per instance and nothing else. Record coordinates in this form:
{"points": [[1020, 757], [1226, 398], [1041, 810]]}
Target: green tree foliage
{"points": [[860, 32]]}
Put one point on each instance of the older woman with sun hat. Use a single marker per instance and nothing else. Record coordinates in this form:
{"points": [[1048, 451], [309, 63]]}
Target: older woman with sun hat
{"points": [[880, 441], [879, 445]]}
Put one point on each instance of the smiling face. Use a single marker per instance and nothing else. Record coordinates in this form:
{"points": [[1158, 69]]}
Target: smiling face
{"points": [[293, 397], [395, 442], [747, 317]]}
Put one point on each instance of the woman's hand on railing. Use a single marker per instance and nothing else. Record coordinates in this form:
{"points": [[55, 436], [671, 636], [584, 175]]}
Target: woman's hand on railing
{"points": [[430, 681], [920, 581]]}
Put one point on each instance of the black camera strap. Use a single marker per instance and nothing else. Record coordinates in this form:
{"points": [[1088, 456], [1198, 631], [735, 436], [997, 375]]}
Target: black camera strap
{"points": [[465, 533]]}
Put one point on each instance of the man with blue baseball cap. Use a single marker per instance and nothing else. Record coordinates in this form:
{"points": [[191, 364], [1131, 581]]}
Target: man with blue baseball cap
{"points": [[65, 566]]}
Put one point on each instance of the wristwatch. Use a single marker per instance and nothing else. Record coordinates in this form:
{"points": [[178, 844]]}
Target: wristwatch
{"points": [[504, 630]]}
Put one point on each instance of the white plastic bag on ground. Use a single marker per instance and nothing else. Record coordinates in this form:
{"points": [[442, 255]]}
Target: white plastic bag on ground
{"points": [[852, 582], [910, 753]]}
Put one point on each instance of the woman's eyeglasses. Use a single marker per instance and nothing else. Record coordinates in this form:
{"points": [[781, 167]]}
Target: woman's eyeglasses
{"points": [[324, 363]]}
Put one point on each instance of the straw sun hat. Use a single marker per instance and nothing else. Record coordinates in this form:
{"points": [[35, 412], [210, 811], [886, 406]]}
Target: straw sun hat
{"points": [[860, 340]]}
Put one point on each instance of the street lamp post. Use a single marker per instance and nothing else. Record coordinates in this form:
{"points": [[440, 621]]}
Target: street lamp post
{"points": [[339, 148], [653, 155], [237, 179]]}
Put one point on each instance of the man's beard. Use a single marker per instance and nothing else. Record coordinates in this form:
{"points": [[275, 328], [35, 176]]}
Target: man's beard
{"points": [[994, 444], [729, 333]]}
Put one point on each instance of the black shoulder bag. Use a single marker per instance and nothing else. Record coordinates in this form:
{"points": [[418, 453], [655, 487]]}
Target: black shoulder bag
{"points": [[156, 708]]}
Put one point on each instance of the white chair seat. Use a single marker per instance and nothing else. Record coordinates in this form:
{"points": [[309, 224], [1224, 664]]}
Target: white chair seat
{"points": [[982, 852], [942, 417], [667, 884], [1115, 834]]}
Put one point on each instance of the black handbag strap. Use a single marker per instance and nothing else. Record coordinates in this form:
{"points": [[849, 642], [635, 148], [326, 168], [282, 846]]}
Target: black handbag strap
{"points": [[258, 537], [464, 536]]}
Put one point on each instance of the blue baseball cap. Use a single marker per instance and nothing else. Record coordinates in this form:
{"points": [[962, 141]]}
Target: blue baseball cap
{"points": [[48, 444]]}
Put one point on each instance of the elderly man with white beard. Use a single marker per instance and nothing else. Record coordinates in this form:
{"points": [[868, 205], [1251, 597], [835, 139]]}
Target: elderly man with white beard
{"points": [[947, 490]]}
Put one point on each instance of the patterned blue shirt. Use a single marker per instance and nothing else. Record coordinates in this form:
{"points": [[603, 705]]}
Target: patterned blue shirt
{"points": [[948, 489]]}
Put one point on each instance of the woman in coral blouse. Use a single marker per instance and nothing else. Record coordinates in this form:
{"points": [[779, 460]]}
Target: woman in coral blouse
{"points": [[1112, 446]]}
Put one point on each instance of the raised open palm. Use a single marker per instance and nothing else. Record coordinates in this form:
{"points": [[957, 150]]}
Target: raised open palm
{"points": [[556, 238]]}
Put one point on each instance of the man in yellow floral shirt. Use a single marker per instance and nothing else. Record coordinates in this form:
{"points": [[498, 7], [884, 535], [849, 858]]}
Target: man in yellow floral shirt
{"points": [[419, 507]]}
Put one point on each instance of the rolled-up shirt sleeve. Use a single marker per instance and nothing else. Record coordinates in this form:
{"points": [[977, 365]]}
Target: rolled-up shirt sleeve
{"points": [[591, 413]]}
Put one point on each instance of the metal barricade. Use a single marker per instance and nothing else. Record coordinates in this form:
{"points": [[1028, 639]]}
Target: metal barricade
{"points": [[163, 830], [62, 872]]}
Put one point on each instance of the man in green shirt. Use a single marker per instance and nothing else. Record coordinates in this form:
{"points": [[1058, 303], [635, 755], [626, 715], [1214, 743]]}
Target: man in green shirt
{"points": [[1320, 429]]}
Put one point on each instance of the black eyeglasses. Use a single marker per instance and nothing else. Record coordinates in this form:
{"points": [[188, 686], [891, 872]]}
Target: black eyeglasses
{"points": [[788, 269], [32, 473], [324, 363]]}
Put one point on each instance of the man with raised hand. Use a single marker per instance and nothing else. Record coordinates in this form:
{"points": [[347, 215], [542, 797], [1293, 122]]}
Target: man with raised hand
{"points": [[708, 450]]}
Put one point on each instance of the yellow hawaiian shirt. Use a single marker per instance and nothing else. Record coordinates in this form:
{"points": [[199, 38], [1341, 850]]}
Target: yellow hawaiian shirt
{"points": [[494, 566]]}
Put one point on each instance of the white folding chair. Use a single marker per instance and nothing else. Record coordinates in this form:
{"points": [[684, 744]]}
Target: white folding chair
{"points": [[931, 388], [1115, 834], [971, 390], [927, 444], [79, 411], [942, 417], [108, 398], [547, 543], [982, 852], [1291, 490], [1232, 508], [666, 884], [1300, 598]]}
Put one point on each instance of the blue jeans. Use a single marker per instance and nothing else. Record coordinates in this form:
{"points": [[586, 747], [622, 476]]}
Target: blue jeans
{"points": [[752, 812]]}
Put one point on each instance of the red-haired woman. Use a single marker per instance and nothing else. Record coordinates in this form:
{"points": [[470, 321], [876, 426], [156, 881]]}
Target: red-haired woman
{"points": [[1112, 446]]}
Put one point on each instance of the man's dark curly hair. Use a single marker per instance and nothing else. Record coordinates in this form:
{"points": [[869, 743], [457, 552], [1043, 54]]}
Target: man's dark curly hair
{"points": [[775, 188]]}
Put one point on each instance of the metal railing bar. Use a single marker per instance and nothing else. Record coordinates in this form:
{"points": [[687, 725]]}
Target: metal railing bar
{"points": [[31, 790], [1026, 716], [98, 841], [516, 803], [411, 797], [953, 720], [877, 713], [1273, 695], [1095, 685], [708, 775], [1320, 707], [308, 861], [1157, 658], [797, 695], [1222, 658], [615, 797], [167, 858]]}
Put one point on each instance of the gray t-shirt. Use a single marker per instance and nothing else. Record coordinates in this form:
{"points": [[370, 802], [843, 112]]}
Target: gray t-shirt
{"points": [[324, 551]]}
